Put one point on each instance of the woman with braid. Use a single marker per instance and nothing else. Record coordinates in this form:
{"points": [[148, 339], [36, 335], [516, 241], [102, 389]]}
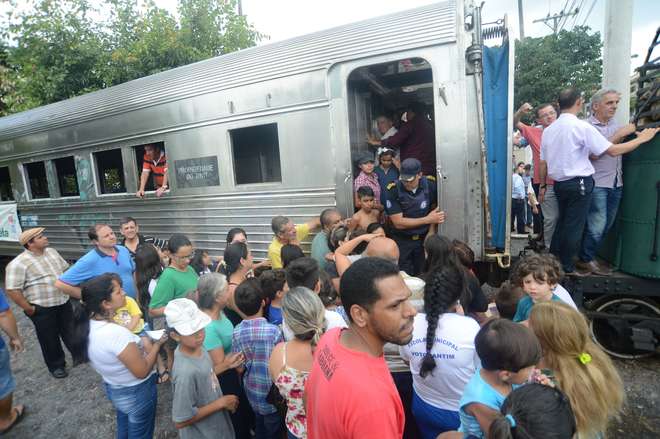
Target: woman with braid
{"points": [[441, 354]]}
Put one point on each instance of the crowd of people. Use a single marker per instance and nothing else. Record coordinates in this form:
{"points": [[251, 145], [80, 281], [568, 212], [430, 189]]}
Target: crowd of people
{"points": [[384, 331]]}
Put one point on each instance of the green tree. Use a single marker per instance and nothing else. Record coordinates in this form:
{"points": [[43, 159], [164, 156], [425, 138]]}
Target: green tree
{"points": [[545, 65], [57, 50]]}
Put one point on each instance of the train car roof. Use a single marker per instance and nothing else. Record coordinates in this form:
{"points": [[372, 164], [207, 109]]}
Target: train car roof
{"points": [[423, 26]]}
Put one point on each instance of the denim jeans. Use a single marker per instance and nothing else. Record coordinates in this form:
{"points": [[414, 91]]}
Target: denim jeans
{"points": [[574, 200], [518, 215], [135, 407], [269, 426], [604, 205]]}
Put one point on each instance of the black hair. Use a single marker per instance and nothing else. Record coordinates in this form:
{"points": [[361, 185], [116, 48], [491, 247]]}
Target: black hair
{"points": [[528, 167], [231, 234], [507, 299], [289, 253], [441, 292], [327, 293], [325, 214], [439, 253], [464, 254], [365, 191], [93, 293], [504, 345], [416, 107], [358, 284], [361, 247], [93, 231], [336, 235], [303, 272], [371, 228], [126, 220], [534, 411], [272, 281], [542, 106], [568, 97], [197, 261], [177, 241], [232, 258], [248, 296], [520, 163], [148, 266], [277, 223]]}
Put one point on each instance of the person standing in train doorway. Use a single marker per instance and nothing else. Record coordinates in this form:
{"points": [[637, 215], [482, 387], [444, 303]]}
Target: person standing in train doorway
{"points": [[412, 207], [154, 162]]}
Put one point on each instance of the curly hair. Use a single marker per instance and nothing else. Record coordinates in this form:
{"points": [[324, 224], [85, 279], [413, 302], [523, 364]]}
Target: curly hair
{"points": [[441, 292], [543, 268]]}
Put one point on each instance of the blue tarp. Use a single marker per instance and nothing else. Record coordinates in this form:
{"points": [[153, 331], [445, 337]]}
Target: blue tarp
{"points": [[495, 98]]}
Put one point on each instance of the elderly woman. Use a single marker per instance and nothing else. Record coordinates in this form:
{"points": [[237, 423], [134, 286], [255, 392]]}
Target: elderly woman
{"points": [[212, 297]]}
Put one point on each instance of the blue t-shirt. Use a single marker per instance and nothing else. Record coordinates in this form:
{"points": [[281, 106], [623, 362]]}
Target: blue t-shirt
{"points": [[525, 307], [274, 315], [95, 263], [4, 306], [478, 391]]}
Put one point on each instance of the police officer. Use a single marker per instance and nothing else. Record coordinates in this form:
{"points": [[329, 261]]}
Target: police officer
{"points": [[411, 205]]}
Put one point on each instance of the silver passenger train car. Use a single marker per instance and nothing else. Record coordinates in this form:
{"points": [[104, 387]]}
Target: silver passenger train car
{"points": [[249, 135]]}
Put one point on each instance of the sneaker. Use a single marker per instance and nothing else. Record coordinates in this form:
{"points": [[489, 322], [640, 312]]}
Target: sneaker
{"points": [[583, 267], [59, 373]]}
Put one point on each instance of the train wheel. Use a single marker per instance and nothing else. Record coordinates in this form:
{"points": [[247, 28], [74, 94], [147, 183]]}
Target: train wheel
{"points": [[614, 335]]}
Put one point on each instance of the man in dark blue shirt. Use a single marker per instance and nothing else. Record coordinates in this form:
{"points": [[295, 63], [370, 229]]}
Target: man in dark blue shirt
{"points": [[411, 205]]}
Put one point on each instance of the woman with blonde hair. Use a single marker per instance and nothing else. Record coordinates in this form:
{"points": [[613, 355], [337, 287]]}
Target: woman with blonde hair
{"points": [[291, 361], [581, 369]]}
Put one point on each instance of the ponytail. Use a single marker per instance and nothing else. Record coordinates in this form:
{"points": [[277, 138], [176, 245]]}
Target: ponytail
{"points": [[440, 293]]}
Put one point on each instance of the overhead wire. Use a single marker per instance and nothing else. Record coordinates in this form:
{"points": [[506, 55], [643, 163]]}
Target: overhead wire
{"points": [[589, 13]]}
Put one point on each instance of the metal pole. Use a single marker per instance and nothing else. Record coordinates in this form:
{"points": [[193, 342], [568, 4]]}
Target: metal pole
{"points": [[240, 7], [616, 53], [521, 22]]}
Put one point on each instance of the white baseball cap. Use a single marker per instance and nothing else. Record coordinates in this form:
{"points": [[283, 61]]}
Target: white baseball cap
{"points": [[184, 316]]}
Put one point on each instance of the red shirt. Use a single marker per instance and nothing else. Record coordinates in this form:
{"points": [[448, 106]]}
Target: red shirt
{"points": [[351, 394], [416, 139], [533, 136], [158, 168]]}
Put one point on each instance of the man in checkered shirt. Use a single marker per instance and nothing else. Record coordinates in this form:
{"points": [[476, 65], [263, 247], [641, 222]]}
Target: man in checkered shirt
{"points": [[29, 280]]}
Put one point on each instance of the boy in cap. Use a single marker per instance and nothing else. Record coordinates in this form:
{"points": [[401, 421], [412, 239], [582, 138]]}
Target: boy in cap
{"points": [[199, 410], [367, 177]]}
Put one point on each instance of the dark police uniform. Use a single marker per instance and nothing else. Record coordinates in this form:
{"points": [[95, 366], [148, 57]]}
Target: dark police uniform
{"points": [[416, 204]]}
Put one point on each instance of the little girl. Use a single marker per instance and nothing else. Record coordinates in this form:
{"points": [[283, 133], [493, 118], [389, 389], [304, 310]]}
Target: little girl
{"points": [[508, 353], [581, 369], [534, 411]]}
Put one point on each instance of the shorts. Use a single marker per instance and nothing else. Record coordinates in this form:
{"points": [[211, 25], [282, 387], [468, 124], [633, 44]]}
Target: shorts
{"points": [[7, 383]]}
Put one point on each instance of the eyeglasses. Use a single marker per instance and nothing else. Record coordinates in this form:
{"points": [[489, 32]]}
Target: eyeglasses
{"points": [[190, 256]]}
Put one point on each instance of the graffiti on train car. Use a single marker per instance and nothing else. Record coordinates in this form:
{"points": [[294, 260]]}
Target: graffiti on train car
{"points": [[85, 178]]}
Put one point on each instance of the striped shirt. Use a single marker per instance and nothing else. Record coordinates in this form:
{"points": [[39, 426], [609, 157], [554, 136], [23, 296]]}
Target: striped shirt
{"points": [[370, 180], [157, 167], [35, 276], [256, 338]]}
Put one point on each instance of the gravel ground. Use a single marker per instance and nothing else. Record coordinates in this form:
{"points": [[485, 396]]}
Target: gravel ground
{"points": [[76, 407]]}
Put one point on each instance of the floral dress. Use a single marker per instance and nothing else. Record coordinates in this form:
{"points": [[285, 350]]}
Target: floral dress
{"points": [[291, 384]]}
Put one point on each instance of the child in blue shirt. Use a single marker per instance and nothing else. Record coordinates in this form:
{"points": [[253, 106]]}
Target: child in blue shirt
{"points": [[537, 275], [272, 285], [508, 354]]}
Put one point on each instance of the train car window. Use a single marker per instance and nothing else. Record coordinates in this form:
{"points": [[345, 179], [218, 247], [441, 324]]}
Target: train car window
{"points": [[5, 185], [256, 152], [110, 169], [140, 157], [37, 180], [66, 176]]}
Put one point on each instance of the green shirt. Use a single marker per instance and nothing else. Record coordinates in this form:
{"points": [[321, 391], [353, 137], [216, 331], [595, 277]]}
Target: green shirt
{"points": [[218, 334], [320, 248], [525, 305], [173, 284]]}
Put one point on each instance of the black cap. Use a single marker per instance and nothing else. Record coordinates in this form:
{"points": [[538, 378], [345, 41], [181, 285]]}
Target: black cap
{"points": [[363, 157], [409, 169]]}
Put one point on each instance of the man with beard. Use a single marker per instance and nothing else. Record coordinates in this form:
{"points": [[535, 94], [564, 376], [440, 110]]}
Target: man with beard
{"points": [[350, 392]]}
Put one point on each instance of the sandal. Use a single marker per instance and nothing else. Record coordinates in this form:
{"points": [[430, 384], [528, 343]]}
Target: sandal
{"points": [[163, 377], [20, 411]]}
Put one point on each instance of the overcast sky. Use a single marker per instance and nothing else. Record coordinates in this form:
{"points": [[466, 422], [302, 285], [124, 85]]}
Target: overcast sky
{"points": [[282, 19]]}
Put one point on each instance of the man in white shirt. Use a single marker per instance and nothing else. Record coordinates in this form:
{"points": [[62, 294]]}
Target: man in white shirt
{"points": [[566, 147]]}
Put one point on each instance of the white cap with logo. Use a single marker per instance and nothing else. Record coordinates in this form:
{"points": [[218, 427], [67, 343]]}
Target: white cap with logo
{"points": [[184, 316]]}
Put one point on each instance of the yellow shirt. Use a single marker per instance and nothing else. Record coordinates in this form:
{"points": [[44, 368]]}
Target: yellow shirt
{"points": [[124, 314], [275, 247]]}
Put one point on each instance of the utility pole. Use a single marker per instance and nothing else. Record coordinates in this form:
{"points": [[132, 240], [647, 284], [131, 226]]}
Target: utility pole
{"points": [[240, 7], [616, 53], [556, 19], [521, 22]]}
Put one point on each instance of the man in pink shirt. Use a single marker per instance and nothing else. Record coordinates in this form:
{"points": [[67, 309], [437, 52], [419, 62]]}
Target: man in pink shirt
{"points": [[350, 392], [542, 184]]}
